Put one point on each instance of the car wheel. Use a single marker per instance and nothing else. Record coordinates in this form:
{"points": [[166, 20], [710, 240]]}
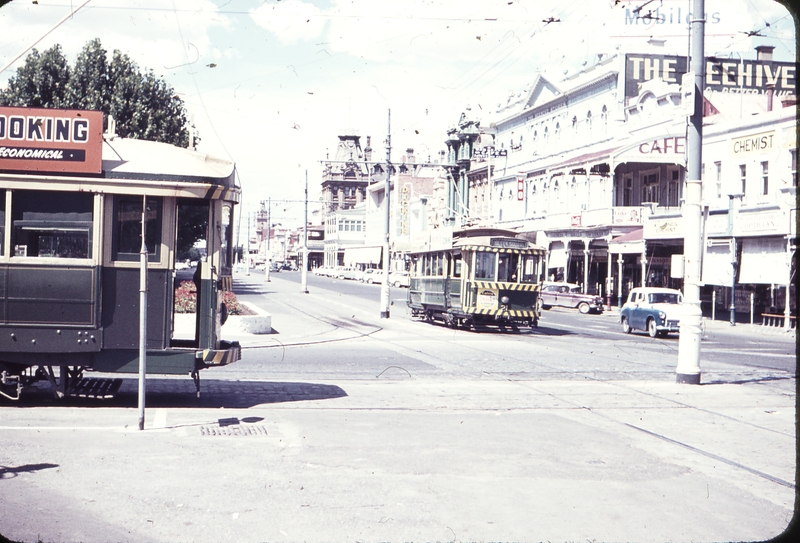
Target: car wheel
{"points": [[583, 307], [369, 281], [651, 328], [396, 284], [625, 326]]}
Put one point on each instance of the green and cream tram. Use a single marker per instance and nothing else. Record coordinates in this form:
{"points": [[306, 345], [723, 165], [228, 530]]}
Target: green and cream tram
{"points": [[71, 215], [487, 277]]}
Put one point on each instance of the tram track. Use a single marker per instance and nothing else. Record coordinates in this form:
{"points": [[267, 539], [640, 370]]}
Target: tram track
{"points": [[461, 360]]}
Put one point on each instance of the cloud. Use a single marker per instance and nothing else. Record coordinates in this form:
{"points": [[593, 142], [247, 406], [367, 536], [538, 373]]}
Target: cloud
{"points": [[290, 21]]}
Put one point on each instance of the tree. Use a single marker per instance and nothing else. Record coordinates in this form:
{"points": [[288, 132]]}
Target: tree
{"points": [[144, 106], [40, 82]]}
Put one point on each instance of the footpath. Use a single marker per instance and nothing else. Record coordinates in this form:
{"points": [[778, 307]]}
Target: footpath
{"points": [[409, 460]]}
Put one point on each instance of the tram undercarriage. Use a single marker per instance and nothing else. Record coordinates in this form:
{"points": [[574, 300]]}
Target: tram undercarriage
{"points": [[67, 376], [501, 321]]}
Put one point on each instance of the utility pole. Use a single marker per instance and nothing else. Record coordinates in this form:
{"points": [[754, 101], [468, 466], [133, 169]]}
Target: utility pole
{"points": [[304, 273], [387, 223], [688, 370], [142, 316], [268, 256], [247, 248]]}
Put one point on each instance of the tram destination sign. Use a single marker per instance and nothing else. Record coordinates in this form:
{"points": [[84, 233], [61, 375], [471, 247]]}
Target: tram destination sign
{"points": [[51, 140]]}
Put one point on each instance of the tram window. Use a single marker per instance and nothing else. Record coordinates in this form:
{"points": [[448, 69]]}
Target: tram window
{"points": [[2, 220], [51, 224], [484, 266], [529, 269], [128, 227], [456, 265], [226, 238], [439, 264], [507, 268]]}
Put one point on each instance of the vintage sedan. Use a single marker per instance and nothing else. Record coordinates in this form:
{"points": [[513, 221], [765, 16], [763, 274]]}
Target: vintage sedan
{"points": [[654, 310], [568, 295]]}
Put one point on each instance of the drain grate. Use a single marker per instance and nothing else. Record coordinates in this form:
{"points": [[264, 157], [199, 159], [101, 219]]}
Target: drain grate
{"points": [[236, 430]]}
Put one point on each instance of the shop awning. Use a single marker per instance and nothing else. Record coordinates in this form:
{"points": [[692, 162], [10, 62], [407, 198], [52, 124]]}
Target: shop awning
{"points": [[630, 243], [717, 268], [362, 255], [764, 261]]}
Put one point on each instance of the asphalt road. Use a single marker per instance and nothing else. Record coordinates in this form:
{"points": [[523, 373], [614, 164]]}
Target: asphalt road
{"points": [[341, 426]]}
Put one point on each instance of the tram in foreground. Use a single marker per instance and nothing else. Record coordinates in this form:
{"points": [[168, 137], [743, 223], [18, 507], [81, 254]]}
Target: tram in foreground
{"points": [[487, 278], [71, 213]]}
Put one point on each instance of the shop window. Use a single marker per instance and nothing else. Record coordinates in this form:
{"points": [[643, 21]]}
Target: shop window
{"points": [[51, 224], [650, 187], [674, 188], [627, 192], [718, 179], [794, 166], [127, 235], [765, 178], [743, 178]]}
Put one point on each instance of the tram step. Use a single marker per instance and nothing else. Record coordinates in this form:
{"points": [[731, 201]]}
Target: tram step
{"points": [[102, 389]]}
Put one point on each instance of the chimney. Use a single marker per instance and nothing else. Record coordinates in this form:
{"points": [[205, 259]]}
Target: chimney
{"points": [[764, 52], [410, 155]]}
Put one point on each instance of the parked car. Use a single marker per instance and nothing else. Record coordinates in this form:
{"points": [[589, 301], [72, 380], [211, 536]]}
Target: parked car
{"points": [[399, 278], [372, 275], [568, 295], [655, 310], [344, 272]]}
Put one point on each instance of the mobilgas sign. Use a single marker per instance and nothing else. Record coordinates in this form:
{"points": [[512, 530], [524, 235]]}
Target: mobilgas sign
{"points": [[722, 75], [51, 140]]}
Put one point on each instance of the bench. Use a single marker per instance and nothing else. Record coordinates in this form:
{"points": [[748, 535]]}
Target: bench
{"points": [[772, 319]]}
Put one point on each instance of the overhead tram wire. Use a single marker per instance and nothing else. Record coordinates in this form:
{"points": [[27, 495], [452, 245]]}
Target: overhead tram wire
{"points": [[483, 75], [197, 88]]}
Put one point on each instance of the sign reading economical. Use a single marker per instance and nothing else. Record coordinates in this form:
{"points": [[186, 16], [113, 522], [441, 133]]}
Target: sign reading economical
{"points": [[51, 140]]}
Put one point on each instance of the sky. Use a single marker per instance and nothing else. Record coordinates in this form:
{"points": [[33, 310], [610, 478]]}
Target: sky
{"points": [[271, 84]]}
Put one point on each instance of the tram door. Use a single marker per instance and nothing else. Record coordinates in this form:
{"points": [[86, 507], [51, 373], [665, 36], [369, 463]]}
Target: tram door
{"points": [[191, 243]]}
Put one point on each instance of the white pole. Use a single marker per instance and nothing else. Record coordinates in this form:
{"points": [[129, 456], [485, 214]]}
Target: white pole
{"points": [[304, 273], [269, 234], [688, 368], [142, 316], [387, 191]]}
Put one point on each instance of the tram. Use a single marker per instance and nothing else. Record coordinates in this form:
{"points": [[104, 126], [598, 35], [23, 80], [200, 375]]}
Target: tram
{"points": [[486, 278], [71, 213]]}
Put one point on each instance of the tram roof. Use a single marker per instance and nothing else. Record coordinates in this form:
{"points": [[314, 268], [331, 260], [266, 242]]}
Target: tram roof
{"points": [[125, 158]]}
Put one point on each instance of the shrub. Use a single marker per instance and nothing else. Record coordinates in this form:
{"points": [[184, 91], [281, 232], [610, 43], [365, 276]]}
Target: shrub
{"points": [[186, 300]]}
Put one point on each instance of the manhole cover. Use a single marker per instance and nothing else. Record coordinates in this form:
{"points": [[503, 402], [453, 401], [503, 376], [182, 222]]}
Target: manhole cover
{"points": [[237, 430]]}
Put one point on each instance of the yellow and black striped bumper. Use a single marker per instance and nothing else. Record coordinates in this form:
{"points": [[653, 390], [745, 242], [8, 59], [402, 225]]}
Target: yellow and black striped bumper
{"points": [[222, 357]]}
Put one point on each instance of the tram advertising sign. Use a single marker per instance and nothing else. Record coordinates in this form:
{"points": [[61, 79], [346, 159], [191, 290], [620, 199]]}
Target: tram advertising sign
{"points": [[51, 140]]}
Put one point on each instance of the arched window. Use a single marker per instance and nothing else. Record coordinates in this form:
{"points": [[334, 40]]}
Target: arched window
{"points": [[604, 120], [557, 135], [589, 125]]}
